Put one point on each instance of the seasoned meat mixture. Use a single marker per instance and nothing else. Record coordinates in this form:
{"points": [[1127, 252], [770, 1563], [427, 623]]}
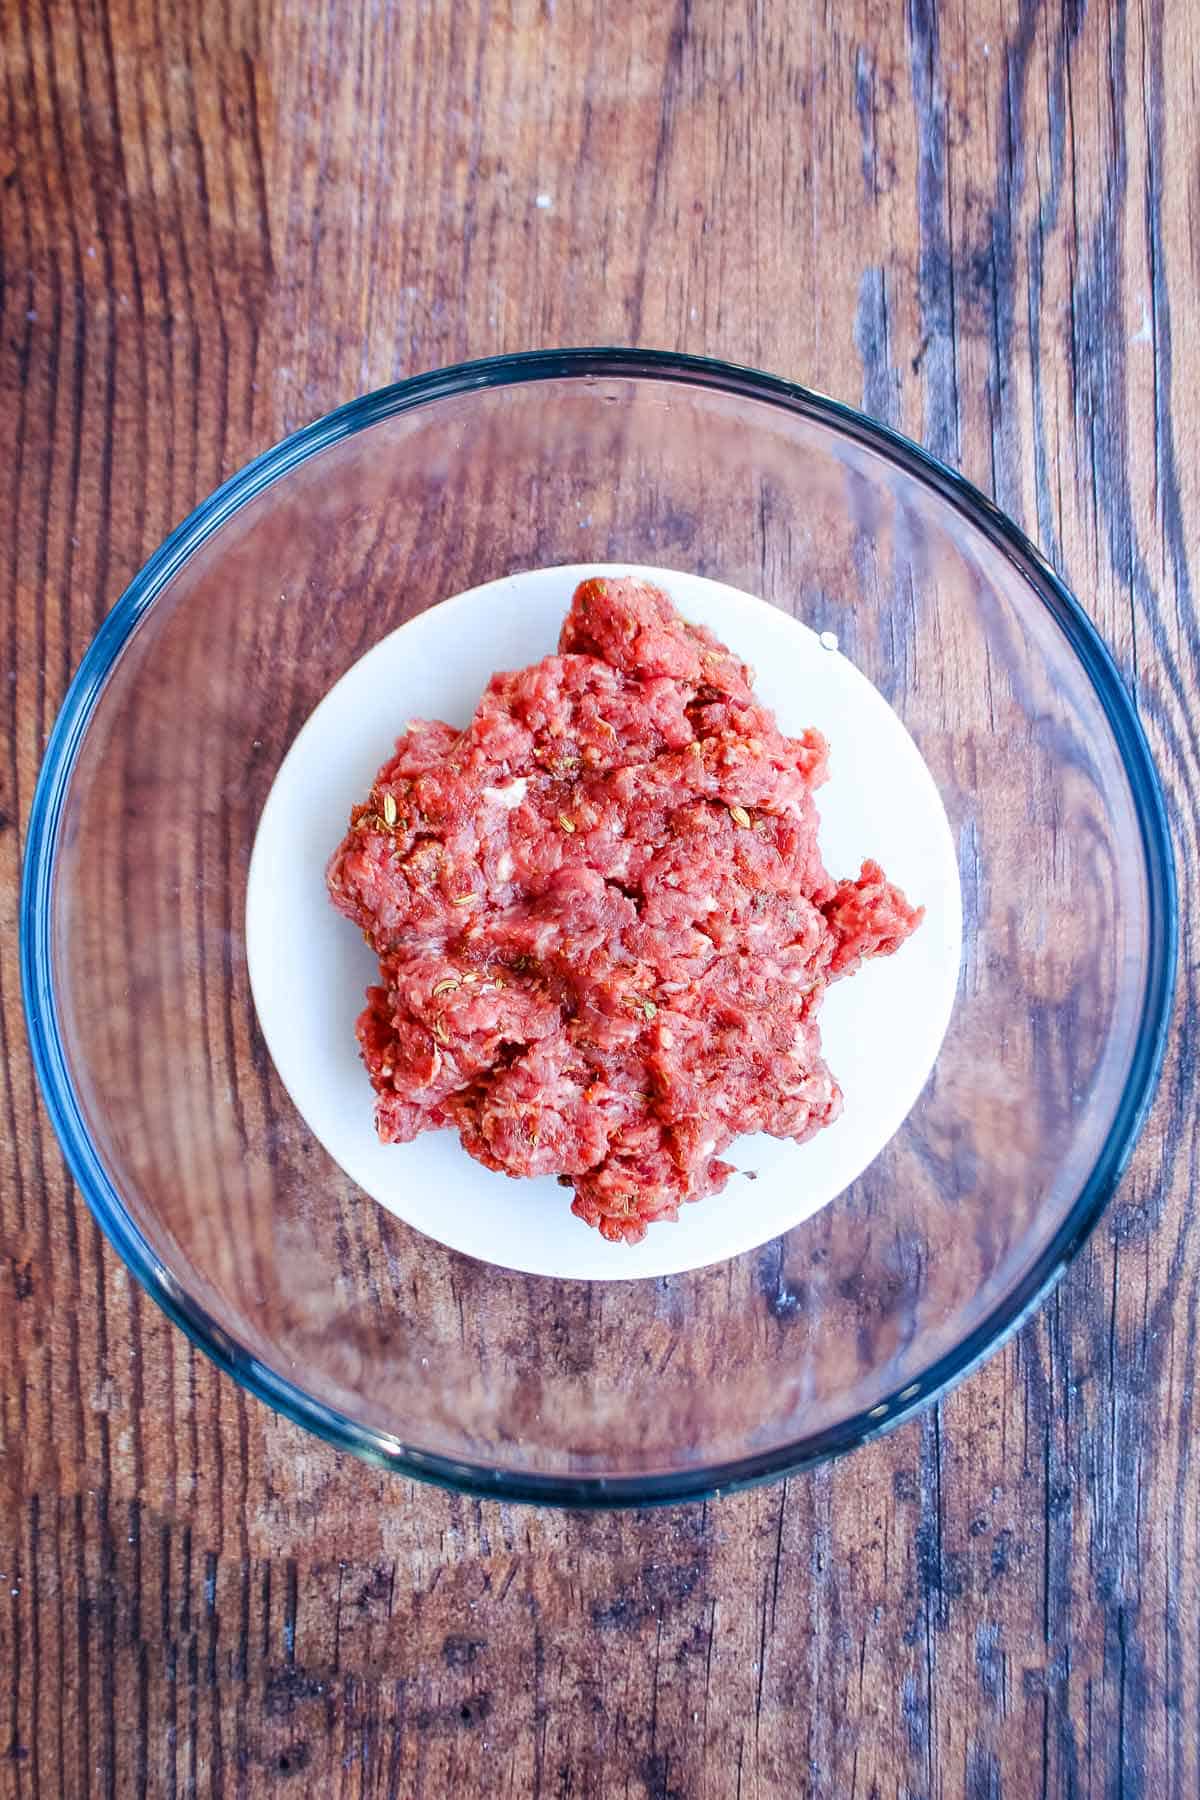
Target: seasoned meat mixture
{"points": [[603, 925]]}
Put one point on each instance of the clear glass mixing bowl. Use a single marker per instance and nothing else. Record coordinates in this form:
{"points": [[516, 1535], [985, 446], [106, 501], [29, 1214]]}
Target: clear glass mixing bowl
{"points": [[210, 1185]]}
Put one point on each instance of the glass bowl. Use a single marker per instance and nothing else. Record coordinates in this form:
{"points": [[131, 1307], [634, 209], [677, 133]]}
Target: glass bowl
{"points": [[210, 1185]]}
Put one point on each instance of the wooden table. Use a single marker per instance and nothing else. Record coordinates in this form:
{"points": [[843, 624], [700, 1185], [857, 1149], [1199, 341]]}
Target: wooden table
{"points": [[980, 223]]}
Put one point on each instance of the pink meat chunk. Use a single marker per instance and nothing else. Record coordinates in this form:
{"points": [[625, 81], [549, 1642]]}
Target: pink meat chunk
{"points": [[603, 923]]}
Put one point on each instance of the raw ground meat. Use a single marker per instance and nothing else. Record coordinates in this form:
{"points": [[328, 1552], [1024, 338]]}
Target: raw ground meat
{"points": [[603, 925]]}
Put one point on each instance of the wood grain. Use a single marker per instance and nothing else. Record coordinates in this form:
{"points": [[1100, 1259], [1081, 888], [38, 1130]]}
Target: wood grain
{"points": [[979, 222]]}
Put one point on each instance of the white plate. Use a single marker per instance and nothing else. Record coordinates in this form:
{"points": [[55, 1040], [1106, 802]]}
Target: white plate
{"points": [[881, 1029]]}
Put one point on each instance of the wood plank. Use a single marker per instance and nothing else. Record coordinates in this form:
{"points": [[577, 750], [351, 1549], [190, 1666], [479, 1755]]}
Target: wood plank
{"points": [[979, 223]]}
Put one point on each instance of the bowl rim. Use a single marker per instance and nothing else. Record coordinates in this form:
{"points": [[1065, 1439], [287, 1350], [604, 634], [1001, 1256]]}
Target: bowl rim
{"points": [[46, 1042]]}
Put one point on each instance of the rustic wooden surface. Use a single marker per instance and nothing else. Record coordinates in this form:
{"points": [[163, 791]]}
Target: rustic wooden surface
{"points": [[979, 222]]}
